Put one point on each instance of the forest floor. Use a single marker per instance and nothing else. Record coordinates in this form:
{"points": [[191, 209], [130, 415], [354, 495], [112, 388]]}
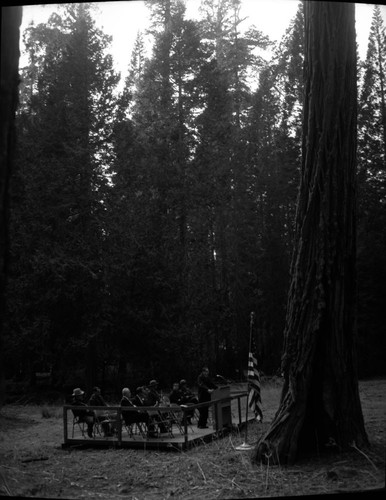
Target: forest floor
{"points": [[33, 463]]}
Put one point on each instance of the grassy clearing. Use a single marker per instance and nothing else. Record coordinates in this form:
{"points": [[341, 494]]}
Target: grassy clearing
{"points": [[32, 462]]}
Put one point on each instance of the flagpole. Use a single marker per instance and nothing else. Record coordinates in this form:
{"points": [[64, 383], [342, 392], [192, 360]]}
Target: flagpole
{"points": [[245, 446]]}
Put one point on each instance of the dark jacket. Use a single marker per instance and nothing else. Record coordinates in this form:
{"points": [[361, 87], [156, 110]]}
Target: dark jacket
{"points": [[153, 397], [187, 396], [81, 412], [204, 384], [175, 397], [131, 417], [127, 402], [139, 400], [96, 400]]}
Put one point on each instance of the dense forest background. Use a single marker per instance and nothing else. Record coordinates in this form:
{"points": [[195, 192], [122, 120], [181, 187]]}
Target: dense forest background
{"points": [[147, 223]]}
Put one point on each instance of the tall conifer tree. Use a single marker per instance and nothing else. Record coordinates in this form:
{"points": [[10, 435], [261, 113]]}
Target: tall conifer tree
{"points": [[320, 405], [60, 186]]}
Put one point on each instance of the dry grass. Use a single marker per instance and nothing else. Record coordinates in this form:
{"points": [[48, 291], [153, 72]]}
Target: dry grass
{"points": [[33, 463]]}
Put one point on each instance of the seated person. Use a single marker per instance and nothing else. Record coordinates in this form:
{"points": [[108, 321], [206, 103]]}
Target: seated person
{"points": [[103, 417], [96, 398], [154, 396], [175, 398], [132, 417], [187, 398], [83, 415], [140, 398], [147, 397], [176, 395]]}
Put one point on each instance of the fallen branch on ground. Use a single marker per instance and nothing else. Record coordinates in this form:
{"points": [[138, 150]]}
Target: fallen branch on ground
{"points": [[38, 459]]}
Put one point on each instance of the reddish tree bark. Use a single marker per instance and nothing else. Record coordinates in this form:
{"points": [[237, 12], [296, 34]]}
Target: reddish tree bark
{"points": [[320, 403]]}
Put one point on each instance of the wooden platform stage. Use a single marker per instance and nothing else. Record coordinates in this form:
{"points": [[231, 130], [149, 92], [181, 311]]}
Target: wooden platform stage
{"points": [[225, 415], [163, 442]]}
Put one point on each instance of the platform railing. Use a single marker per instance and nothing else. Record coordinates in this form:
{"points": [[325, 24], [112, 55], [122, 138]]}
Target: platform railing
{"points": [[216, 404]]}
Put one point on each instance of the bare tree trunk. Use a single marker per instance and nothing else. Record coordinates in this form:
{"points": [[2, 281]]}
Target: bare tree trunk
{"points": [[320, 403], [10, 26]]}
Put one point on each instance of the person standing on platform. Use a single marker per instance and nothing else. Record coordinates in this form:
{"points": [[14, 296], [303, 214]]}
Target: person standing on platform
{"points": [[205, 388]]}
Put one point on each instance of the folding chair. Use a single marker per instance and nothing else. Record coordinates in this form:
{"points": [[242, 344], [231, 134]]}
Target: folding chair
{"points": [[134, 424], [97, 428], [162, 419], [176, 418], [78, 422], [193, 416], [196, 415], [135, 429]]}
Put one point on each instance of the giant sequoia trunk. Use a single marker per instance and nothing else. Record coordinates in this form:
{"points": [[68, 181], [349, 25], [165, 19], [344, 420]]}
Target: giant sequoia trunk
{"points": [[320, 403], [10, 33]]}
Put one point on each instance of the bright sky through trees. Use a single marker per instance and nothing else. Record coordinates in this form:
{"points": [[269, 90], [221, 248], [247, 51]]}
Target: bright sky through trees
{"points": [[122, 20]]}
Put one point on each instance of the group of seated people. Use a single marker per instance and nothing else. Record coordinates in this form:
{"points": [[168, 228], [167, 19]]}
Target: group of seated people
{"points": [[181, 395], [145, 396]]}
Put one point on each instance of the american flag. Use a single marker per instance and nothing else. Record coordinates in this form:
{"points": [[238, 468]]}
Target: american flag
{"points": [[254, 397]]}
